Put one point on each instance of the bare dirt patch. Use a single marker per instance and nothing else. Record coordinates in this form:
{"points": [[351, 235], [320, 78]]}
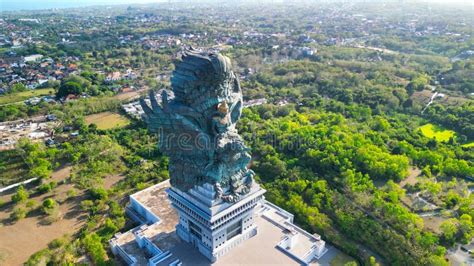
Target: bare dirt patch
{"points": [[126, 96], [110, 181], [413, 173], [423, 97], [107, 120], [433, 223], [18, 241]]}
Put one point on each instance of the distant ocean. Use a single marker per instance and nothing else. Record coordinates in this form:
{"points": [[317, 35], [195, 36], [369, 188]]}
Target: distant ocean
{"points": [[16, 5]]}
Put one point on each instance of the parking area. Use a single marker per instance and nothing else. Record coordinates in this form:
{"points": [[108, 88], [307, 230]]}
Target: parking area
{"points": [[38, 129]]}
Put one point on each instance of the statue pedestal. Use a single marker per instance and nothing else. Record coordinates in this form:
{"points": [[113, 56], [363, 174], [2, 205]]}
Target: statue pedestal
{"points": [[212, 225]]}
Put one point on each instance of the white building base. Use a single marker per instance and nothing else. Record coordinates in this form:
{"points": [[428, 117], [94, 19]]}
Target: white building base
{"points": [[265, 235], [214, 227]]}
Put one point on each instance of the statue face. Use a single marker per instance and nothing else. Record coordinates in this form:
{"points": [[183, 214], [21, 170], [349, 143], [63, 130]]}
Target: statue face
{"points": [[223, 108]]}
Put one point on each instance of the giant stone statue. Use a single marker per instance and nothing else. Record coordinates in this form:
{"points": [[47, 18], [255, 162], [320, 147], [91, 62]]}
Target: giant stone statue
{"points": [[196, 123]]}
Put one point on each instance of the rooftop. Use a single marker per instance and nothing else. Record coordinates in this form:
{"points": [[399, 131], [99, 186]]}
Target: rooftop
{"points": [[156, 200], [268, 247]]}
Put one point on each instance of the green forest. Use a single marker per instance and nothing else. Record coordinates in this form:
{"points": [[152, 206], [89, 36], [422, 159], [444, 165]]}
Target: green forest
{"points": [[365, 134]]}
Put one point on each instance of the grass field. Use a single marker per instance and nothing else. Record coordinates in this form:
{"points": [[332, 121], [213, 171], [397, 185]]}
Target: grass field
{"points": [[21, 96], [468, 145], [432, 131], [107, 120]]}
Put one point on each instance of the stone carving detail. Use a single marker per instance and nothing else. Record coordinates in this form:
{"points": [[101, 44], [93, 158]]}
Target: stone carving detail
{"points": [[196, 123]]}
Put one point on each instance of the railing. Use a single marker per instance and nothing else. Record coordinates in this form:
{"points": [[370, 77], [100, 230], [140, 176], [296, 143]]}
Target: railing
{"points": [[155, 260], [151, 247], [130, 260], [177, 262], [281, 246], [134, 215], [136, 204], [285, 213]]}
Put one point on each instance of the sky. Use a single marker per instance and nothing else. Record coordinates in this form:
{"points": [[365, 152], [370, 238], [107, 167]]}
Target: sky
{"points": [[12, 5]]}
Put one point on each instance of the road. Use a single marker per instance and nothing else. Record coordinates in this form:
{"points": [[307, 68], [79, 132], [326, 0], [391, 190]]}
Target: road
{"points": [[430, 102], [458, 257]]}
